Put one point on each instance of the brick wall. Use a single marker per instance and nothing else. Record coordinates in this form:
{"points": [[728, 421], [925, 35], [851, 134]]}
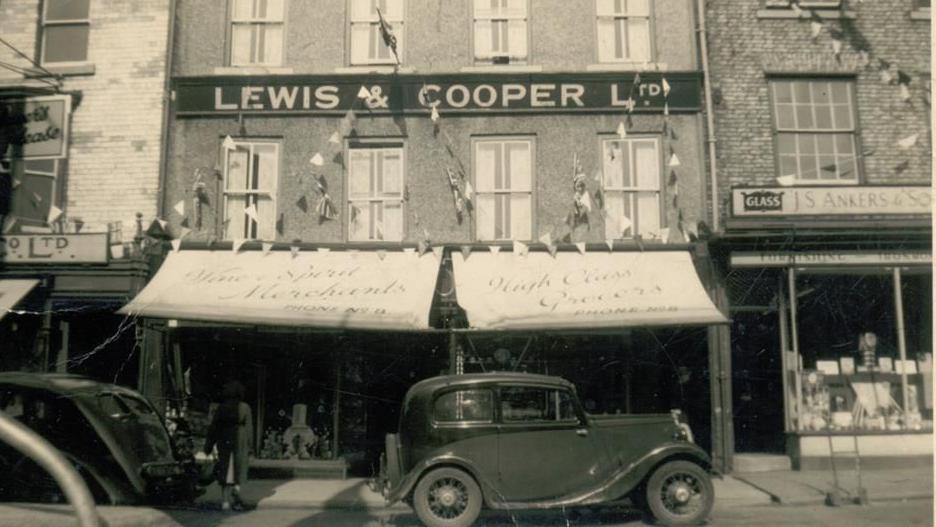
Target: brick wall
{"points": [[745, 45], [113, 158]]}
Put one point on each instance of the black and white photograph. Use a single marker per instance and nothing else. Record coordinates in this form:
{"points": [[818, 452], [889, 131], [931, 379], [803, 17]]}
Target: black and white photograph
{"points": [[455, 263]]}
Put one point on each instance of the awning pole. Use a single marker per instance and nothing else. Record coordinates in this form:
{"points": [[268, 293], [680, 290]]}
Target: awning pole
{"points": [[784, 355], [794, 341], [901, 343]]}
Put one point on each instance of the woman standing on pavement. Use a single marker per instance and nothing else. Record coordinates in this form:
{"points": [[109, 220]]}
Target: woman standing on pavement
{"points": [[231, 430]]}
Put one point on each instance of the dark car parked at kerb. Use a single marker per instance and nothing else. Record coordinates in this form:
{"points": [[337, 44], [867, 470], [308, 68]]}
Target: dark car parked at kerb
{"points": [[520, 441], [111, 434]]}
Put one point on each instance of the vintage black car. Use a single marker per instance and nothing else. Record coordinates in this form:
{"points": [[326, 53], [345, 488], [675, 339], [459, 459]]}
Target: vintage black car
{"points": [[112, 435], [521, 441]]}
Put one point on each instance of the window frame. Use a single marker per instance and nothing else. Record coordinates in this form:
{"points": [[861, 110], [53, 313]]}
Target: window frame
{"points": [[372, 143], [574, 422], [475, 61], [805, 4], [531, 138], [57, 177], [399, 30], [44, 23], [660, 189], [229, 37], [855, 131], [651, 30], [272, 193]]}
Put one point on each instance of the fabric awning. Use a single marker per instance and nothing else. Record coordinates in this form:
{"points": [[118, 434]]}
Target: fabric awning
{"points": [[572, 290], [333, 289], [12, 291]]}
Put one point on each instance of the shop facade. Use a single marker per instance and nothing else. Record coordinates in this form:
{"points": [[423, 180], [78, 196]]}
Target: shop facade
{"points": [[510, 142], [824, 170]]}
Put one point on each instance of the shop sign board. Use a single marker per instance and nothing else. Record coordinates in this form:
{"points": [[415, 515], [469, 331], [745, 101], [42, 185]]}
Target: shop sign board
{"points": [[831, 258], [838, 200], [53, 248], [451, 94], [36, 127]]}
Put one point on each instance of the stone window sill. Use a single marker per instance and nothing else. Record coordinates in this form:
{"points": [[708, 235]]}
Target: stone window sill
{"points": [[920, 13], [78, 68], [628, 66], [252, 70], [825, 14], [375, 68], [502, 68]]}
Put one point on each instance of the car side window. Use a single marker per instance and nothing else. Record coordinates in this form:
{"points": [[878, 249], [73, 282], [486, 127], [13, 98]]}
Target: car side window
{"points": [[462, 406], [525, 404], [113, 405]]}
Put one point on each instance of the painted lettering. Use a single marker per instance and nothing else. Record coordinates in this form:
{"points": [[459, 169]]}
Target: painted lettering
{"points": [[541, 95], [219, 101], [513, 92], [284, 96], [250, 97], [572, 92], [491, 96], [326, 97]]}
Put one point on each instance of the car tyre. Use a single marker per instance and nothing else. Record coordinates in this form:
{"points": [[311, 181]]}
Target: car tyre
{"points": [[680, 493], [447, 497]]}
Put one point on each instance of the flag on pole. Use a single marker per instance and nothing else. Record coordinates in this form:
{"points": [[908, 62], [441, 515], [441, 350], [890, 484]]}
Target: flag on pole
{"points": [[386, 32]]}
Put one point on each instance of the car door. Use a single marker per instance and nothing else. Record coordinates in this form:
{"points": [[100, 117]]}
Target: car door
{"points": [[545, 448]]}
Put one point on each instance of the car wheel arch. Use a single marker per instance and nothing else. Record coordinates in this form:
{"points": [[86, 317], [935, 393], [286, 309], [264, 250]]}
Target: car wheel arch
{"points": [[457, 464]]}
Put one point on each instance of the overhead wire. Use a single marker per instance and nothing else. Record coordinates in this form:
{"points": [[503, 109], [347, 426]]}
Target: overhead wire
{"points": [[26, 73], [30, 59]]}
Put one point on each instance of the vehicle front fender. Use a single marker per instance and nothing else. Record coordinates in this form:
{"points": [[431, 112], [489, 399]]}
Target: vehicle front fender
{"points": [[629, 477], [442, 460]]}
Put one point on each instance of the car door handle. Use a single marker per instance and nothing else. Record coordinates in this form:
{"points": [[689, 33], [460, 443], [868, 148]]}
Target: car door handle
{"points": [[581, 432]]}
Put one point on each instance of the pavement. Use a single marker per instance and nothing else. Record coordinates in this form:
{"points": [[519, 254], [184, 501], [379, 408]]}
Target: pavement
{"points": [[735, 491]]}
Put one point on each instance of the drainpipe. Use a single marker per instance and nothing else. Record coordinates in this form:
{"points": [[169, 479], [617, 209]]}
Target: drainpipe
{"points": [[166, 115], [709, 114], [36, 448]]}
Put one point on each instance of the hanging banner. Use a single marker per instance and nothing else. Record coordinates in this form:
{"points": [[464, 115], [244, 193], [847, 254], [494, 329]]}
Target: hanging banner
{"points": [[450, 94], [37, 127], [334, 289]]}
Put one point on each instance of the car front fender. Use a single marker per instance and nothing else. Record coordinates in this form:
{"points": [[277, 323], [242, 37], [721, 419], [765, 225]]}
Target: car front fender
{"points": [[629, 477], [442, 460]]}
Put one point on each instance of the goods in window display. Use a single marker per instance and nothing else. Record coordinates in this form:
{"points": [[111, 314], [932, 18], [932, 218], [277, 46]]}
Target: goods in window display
{"points": [[875, 408], [815, 412], [867, 347]]}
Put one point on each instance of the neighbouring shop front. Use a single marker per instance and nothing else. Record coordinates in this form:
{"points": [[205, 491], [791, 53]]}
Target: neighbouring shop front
{"points": [[832, 327], [328, 341]]}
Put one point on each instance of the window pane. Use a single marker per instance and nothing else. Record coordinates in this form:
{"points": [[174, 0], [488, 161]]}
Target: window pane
{"points": [[268, 164], [65, 43], [826, 144], [360, 222], [606, 40], [638, 34], [824, 117], [844, 143], [359, 173], [237, 169], [804, 118], [234, 216], [520, 168], [484, 207], [821, 92], [786, 144], [606, 7], [637, 7], [66, 9], [807, 167], [788, 165], [266, 214], [801, 92], [392, 173], [614, 203], [516, 8], [807, 143], [393, 11], [486, 165], [464, 405], [613, 164], [839, 91], [648, 207], [647, 164], [843, 117], [274, 10], [783, 92], [271, 52], [392, 221], [524, 404], [483, 39], [241, 38], [482, 9], [516, 39], [243, 9], [847, 167], [521, 217]]}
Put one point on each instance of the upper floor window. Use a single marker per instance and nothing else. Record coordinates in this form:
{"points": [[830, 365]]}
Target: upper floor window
{"points": [[500, 31], [375, 192], [805, 4], [257, 32], [815, 122], [503, 173], [624, 30], [367, 41], [251, 173], [65, 28], [32, 191], [631, 184]]}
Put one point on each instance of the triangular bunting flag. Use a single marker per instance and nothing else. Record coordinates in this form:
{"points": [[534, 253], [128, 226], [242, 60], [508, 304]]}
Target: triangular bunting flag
{"points": [[294, 250], [54, 213], [229, 143], [176, 245], [664, 234], [625, 223], [886, 77], [836, 46], [904, 93], [334, 138], [162, 223], [180, 207], [323, 249], [183, 232], [622, 130], [265, 247], [674, 160], [580, 246], [422, 247], [546, 239], [406, 250], [786, 181], [251, 212], [317, 160], [466, 251], [908, 142], [666, 108], [303, 204], [437, 252], [815, 28], [184, 222], [520, 248], [236, 244], [381, 254], [434, 115], [16, 183], [8, 224], [469, 190], [666, 88], [363, 93], [610, 244], [495, 249]]}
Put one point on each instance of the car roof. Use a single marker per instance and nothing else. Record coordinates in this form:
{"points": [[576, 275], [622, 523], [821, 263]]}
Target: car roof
{"points": [[61, 383], [430, 385]]}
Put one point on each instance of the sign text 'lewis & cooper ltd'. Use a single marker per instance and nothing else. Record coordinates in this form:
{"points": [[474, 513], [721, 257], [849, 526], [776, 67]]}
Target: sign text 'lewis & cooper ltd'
{"points": [[449, 93], [831, 201]]}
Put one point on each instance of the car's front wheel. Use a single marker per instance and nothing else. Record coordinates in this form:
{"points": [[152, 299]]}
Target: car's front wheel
{"points": [[680, 493], [447, 497]]}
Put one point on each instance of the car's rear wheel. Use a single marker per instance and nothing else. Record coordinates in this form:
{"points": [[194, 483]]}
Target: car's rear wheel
{"points": [[680, 493], [447, 497]]}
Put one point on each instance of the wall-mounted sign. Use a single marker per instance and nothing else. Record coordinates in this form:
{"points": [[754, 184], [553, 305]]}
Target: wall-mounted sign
{"points": [[831, 258], [54, 248], [462, 93], [35, 127], [831, 201]]}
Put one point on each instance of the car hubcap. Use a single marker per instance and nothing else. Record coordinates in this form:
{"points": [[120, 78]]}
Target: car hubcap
{"points": [[682, 494], [448, 498]]}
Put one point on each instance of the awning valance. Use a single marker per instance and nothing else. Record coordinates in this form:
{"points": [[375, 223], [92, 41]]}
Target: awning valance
{"points": [[12, 291], [333, 289], [572, 290]]}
